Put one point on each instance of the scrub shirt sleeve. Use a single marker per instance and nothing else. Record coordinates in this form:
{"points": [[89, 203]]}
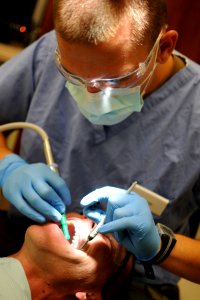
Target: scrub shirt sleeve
{"points": [[13, 281], [20, 76]]}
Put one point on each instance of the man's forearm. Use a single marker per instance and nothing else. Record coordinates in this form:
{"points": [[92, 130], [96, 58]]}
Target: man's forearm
{"points": [[184, 259]]}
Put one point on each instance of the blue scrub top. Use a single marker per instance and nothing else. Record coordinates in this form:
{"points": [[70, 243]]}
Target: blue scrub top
{"points": [[158, 147]]}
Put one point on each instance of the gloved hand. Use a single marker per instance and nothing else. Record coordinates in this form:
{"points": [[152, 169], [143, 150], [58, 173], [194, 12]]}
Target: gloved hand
{"points": [[128, 217], [34, 189]]}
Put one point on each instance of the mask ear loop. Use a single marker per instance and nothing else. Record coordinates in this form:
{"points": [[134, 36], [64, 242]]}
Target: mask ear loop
{"points": [[148, 79], [144, 65]]}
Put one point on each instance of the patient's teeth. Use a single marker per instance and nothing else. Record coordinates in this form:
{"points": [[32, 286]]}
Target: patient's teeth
{"points": [[74, 244], [75, 239]]}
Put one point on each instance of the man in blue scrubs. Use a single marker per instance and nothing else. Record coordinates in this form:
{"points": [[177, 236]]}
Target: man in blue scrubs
{"points": [[118, 104]]}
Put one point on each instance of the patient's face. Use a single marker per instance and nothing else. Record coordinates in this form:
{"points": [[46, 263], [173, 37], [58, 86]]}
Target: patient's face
{"points": [[82, 270]]}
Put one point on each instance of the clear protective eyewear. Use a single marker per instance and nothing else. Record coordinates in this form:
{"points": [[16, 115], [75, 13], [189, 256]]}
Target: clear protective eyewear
{"points": [[128, 80]]}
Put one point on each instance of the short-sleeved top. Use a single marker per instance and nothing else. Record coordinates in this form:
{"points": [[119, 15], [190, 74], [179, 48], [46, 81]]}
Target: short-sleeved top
{"points": [[158, 147], [13, 281]]}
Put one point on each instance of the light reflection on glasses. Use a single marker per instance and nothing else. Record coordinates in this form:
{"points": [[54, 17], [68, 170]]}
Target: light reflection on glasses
{"points": [[127, 80]]}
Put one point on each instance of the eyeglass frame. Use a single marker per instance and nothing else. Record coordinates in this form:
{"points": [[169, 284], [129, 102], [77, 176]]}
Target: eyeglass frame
{"points": [[140, 71]]}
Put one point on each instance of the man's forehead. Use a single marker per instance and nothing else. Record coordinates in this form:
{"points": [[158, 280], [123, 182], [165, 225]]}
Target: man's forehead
{"points": [[120, 51]]}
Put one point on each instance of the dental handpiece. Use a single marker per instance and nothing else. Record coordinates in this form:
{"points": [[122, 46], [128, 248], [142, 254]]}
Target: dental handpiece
{"points": [[95, 231], [48, 155]]}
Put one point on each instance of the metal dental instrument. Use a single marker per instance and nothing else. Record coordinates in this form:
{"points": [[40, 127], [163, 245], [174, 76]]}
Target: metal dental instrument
{"points": [[94, 231], [47, 153], [130, 189]]}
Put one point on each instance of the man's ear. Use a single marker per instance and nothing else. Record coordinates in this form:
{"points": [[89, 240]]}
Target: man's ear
{"points": [[167, 45]]}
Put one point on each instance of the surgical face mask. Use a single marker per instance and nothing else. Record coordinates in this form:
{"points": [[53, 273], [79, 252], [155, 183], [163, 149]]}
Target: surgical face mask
{"points": [[107, 107], [111, 105]]}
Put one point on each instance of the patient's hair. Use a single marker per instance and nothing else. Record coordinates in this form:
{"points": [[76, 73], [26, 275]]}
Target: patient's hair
{"points": [[118, 285], [95, 21]]}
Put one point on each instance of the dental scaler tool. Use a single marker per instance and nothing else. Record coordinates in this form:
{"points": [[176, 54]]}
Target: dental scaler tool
{"points": [[94, 231], [47, 153]]}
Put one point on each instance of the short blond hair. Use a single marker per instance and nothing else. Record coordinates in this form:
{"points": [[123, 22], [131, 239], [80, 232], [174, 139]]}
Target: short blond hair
{"points": [[96, 21]]}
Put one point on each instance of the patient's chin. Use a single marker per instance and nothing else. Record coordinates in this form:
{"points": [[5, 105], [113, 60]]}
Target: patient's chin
{"points": [[43, 238], [52, 233]]}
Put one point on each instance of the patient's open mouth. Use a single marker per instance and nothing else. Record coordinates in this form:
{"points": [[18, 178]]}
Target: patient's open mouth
{"points": [[74, 231], [78, 232]]}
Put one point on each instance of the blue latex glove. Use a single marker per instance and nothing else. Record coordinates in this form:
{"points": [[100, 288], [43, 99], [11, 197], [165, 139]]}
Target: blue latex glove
{"points": [[128, 217], [34, 189]]}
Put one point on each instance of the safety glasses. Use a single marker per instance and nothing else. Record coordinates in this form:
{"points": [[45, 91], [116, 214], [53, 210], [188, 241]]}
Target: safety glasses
{"points": [[127, 80]]}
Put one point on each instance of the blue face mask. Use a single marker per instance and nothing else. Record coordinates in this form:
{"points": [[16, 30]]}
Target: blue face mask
{"points": [[107, 107]]}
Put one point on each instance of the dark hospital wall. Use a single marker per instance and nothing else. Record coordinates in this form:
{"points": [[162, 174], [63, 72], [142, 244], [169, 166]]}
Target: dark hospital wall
{"points": [[184, 16]]}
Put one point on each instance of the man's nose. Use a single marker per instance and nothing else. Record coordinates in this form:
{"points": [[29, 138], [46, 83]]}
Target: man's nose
{"points": [[92, 89]]}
